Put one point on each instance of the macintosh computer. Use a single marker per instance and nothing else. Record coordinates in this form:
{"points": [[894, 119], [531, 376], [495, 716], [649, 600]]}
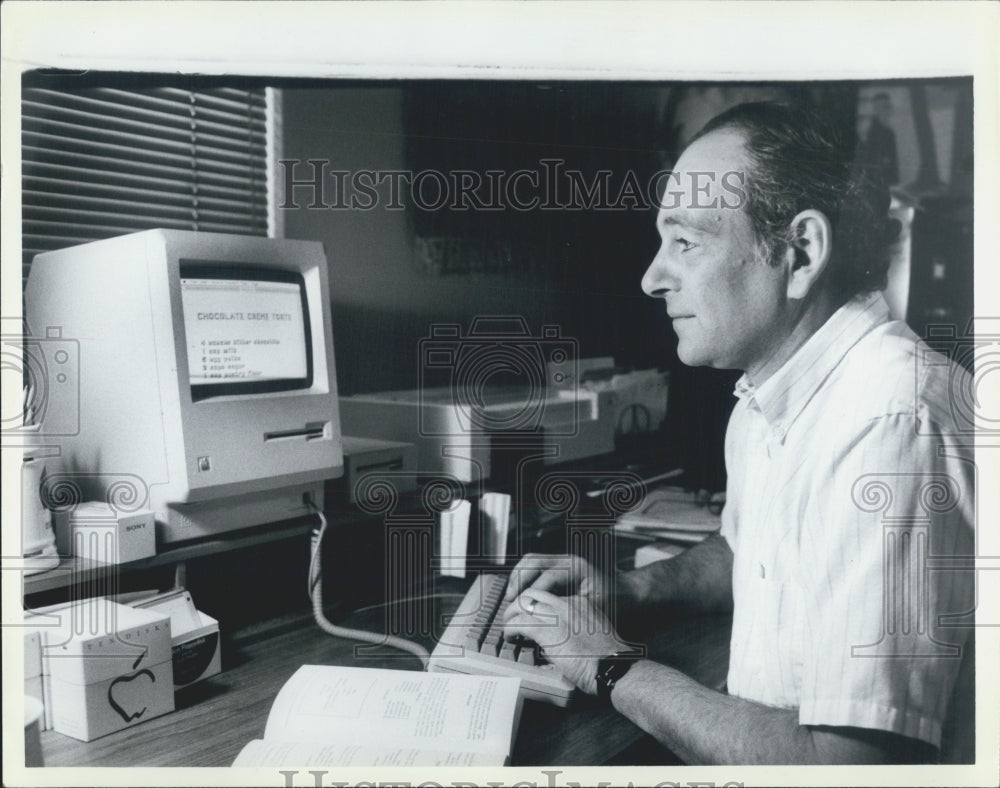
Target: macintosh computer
{"points": [[203, 382]]}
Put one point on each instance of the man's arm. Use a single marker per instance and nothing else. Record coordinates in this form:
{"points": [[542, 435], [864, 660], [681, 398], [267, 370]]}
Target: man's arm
{"points": [[698, 580], [704, 726], [698, 724]]}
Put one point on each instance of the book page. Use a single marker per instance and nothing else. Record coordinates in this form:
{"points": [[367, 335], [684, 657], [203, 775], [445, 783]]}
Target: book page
{"points": [[326, 703], [286, 753]]}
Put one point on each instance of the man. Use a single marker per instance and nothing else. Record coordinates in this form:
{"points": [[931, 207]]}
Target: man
{"points": [[831, 446]]}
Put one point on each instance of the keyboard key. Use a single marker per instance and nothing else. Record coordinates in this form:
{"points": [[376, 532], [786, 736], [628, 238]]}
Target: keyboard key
{"points": [[473, 642], [493, 639]]}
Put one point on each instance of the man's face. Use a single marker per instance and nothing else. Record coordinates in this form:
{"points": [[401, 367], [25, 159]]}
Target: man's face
{"points": [[725, 301]]}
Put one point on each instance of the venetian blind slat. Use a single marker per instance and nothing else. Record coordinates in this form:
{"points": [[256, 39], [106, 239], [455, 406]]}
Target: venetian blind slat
{"points": [[104, 161]]}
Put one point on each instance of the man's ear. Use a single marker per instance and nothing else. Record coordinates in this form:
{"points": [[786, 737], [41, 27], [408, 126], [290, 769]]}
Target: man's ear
{"points": [[809, 253]]}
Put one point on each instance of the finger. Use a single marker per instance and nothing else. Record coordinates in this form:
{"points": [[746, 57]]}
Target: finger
{"points": [[534, 602], [540, 629], [548, 572], [524, 573], [520, 625], [544, 597], [525, 605], [520, 578], [554, 579]]}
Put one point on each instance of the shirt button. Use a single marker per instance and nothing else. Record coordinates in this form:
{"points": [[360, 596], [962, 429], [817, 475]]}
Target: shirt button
{"points": [[777, 432], [762, 572]]}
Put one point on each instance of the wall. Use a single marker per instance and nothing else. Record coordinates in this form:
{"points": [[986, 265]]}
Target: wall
{"points": [[382, 305]]}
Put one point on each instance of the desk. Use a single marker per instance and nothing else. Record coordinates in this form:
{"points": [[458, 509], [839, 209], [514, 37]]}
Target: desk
{"points": [[215, 719]]}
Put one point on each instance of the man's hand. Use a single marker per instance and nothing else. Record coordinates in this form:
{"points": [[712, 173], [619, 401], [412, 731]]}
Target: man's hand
{"points": [[556, 574], [572, 632]]}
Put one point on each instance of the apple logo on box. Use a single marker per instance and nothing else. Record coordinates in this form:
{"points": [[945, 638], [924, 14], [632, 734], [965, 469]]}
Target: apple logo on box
{"points": [[126, 693]]}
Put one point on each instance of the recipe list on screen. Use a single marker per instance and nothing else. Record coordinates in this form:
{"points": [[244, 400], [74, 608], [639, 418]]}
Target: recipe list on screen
{"points": [[243, 331]]}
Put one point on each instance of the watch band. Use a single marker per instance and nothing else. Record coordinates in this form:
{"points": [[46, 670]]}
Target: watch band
{"points": [[610, 670]]}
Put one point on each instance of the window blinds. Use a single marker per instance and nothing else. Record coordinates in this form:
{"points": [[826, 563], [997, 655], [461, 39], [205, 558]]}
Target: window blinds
{"points": [[101, 162]]}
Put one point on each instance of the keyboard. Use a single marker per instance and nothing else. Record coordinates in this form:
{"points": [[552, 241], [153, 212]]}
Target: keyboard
{"points": [[474, 643]]}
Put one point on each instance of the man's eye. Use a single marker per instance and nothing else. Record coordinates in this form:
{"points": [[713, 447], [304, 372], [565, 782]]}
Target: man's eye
{"points": [[685, 244]]}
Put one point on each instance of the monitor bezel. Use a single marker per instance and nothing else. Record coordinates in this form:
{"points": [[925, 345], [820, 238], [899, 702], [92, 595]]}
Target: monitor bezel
{"points": [[189, 268]]}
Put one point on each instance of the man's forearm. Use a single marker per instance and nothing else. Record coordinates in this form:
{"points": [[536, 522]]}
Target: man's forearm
{"points": [[704, 726], [699, 580]]}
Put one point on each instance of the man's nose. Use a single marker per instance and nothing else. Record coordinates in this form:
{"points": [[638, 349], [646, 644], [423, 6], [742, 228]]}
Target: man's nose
{"points": [[658, 279]]}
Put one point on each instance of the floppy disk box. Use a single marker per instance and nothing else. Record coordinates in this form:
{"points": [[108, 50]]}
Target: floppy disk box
{"points": [[110, 668], [194, 636]]}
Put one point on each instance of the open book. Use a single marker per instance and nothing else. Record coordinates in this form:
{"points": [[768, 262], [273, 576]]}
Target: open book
{"points": [[327, 715]]}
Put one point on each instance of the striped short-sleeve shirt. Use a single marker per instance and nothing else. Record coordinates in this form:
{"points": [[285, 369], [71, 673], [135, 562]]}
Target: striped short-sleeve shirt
{"points": [[850, 479]]}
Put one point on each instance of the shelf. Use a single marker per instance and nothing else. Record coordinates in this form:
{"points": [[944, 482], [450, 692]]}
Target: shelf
{"points": [[74, 571]]}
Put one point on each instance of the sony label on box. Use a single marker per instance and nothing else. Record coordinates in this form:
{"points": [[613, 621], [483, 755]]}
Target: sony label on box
{"points": [[98, 532]]}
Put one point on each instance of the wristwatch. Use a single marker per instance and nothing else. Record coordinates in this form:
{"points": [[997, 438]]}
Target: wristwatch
{"points": [[610, 670]]}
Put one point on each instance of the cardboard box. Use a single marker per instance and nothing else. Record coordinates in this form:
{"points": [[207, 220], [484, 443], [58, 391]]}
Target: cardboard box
{"points": [[32, 655], [33, 669], [194, 636], [96, 531], [111, 668], [38, 622], [197, 654]]}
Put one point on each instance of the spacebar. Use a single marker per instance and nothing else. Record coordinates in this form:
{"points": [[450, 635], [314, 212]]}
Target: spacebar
{"points": [[545, 679]]}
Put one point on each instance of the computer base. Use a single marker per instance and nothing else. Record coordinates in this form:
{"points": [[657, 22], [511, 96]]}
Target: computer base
{"points": [[184, 522]]}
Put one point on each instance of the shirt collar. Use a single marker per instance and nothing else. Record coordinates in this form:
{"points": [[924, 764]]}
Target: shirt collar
{"points": [[783, 396]]}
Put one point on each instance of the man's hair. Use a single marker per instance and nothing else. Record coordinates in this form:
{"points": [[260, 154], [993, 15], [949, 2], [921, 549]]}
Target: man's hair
{"points": [[799, 159]]}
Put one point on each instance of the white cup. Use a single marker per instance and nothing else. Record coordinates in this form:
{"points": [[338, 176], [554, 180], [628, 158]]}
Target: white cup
{"points": [[39, 541]]}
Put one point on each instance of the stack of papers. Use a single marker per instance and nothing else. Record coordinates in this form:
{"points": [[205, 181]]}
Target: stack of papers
{"points": [[670, 513], [656, 551]]}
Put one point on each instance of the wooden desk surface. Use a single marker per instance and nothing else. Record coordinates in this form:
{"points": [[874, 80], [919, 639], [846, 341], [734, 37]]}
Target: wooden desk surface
{"points": [[213, 720]]}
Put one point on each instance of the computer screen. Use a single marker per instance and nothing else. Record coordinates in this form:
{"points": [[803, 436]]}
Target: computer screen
{"points": [[247, 329]]}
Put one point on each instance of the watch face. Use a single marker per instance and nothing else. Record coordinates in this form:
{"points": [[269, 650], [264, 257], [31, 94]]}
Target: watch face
{"points": [[610, 671]]}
